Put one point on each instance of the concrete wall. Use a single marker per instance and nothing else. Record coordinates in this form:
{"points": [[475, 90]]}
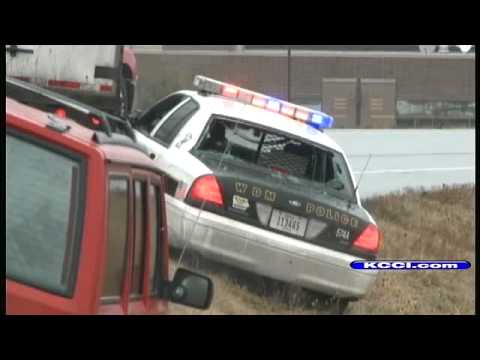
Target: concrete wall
{"points": [[408, 158], [417, 78]]}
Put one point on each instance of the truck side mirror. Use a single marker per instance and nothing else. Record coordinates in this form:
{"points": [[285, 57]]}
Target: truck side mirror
{"points": [[191, 289]]}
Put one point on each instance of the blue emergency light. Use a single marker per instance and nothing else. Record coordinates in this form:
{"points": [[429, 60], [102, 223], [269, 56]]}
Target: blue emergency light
{"points": [[322, 121]]}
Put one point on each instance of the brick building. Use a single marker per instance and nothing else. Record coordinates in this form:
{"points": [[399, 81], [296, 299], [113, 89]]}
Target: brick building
{"points": [[361, 85]]}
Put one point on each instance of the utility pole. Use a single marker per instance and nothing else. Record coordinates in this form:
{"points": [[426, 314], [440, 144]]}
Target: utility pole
{"points": [[289, 56]]}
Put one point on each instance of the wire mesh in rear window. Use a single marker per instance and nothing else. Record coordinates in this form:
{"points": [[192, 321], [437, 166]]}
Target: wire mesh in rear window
{"points": [[287, 156], [280, 153]]}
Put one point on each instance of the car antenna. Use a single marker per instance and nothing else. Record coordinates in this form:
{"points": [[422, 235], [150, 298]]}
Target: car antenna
{"points": [[219, 165], [361, 175]]}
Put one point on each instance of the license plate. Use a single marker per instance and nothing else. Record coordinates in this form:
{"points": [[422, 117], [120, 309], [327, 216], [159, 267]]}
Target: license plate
{"points": [[288, 223]]}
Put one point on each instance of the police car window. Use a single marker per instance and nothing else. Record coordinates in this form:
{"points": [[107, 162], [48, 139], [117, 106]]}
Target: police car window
{"points": [[172, 126], [44, 215], [298, 162], [148, 121]]}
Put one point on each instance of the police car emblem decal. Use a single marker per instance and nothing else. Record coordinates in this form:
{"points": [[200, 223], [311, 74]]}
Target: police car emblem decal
{"points": [[240, 203]]}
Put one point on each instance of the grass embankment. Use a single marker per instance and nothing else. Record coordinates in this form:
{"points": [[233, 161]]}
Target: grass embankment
{"points": [[433, 225]]}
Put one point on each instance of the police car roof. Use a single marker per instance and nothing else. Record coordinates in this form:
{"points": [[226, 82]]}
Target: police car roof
{"points": [[77, 133], [220, 105]]}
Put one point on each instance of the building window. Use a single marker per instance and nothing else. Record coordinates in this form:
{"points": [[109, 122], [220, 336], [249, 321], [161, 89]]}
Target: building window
{"points": [[436, 113]]}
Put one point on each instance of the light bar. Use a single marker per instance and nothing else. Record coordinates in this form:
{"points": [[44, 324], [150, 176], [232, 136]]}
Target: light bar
{"points": [[288, 111], [302, 115], [308, 116], [273, 105], [230, 91], [259, 101], [322, 121]]}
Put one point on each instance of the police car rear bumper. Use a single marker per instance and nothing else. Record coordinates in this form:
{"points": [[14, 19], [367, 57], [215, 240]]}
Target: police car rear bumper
{"points": [[266, 253]]}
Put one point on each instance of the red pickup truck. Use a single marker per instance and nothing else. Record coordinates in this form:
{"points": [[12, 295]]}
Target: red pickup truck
{"points": [[86, 227]]}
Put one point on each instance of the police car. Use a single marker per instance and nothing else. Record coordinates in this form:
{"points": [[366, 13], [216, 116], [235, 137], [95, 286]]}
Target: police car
{"points": [[254, 182]]}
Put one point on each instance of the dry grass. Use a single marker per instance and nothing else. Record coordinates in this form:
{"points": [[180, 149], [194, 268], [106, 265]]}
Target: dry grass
{"points": [[434, 225]]}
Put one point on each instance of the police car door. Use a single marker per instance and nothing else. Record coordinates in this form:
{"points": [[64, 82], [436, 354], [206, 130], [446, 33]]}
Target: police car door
{"points": [[147, 124], [159, 127], [166, 132]]}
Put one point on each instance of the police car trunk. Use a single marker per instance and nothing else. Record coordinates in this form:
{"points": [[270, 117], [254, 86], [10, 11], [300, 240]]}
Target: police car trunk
{"points": [[282, 182]]}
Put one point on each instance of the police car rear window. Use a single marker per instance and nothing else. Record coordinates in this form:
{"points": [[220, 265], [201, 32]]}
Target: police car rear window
{"points": [[299, 161]]}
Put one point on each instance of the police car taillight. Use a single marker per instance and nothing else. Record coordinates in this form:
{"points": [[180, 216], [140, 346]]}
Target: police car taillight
{"points": [[207, 189], [370, 240], [316, 119]]}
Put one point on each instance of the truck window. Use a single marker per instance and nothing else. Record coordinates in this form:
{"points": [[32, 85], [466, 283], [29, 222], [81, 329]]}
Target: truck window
{"points": [[118, 248], [117, 240], [152, 117], [140, 207], [172, 126], [45, 193], [155, 231]]}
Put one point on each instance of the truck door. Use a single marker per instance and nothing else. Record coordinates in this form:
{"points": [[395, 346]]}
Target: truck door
{"points": [[149, 248], [137, 252], [46, 196]]}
